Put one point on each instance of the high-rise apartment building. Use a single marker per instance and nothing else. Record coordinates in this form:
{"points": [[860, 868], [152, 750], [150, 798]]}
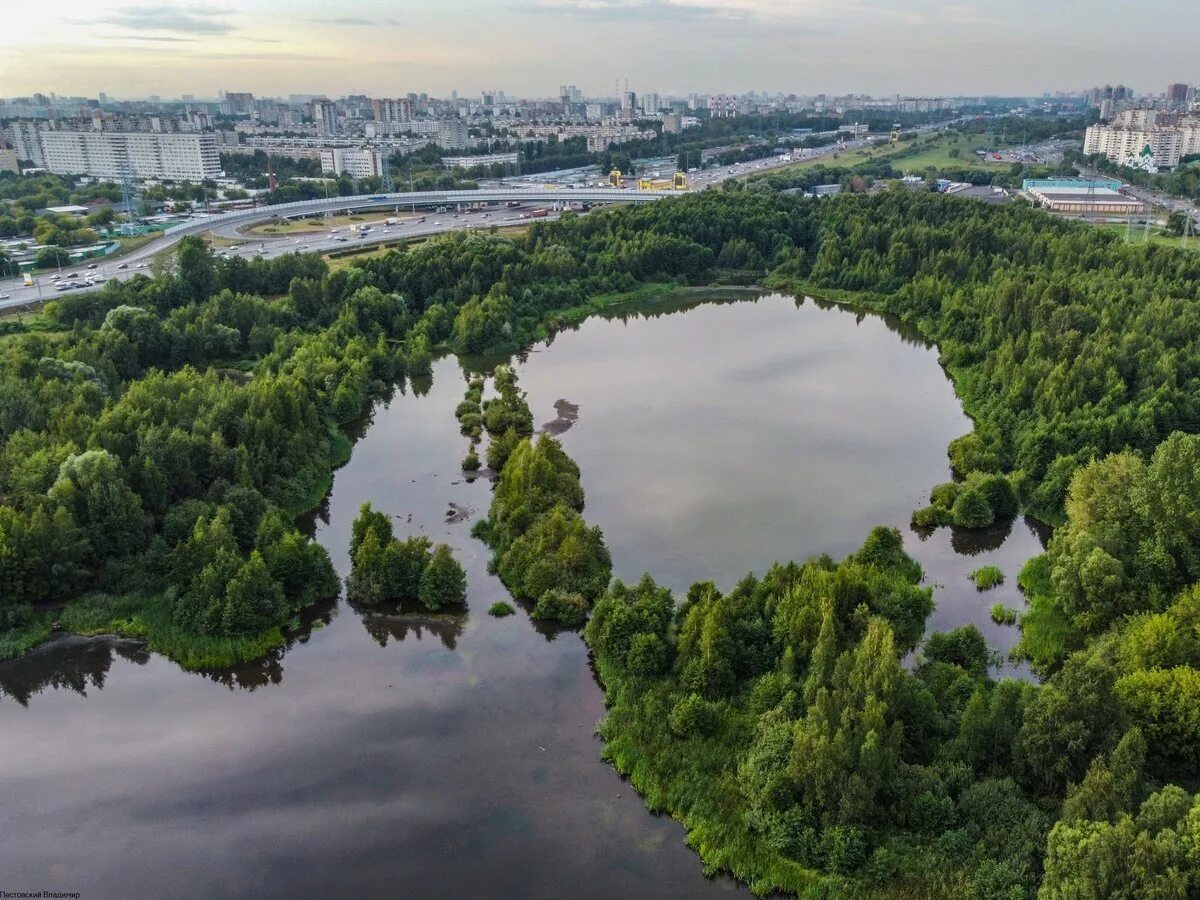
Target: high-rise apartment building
{"points": [[452, 134], [141, 155], [1154, 147], [23, 134], [325, 115], [391, 111]]}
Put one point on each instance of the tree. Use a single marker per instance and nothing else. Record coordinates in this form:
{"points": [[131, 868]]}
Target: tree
{"points": [[51, 258], [443, 583], [93, 487], [565, 608]]}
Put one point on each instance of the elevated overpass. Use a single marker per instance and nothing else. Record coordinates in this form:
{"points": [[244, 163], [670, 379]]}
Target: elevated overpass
{"points": [[408, 199]]}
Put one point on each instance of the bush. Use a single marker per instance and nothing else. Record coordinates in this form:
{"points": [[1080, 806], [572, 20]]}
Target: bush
{"points": [[932, 517], [945, 494], [566, 608], [443, 583], [471, 462], [693, 716], [987, 577], [971, 510], [471, 423], [500, 448], [999, 492], [501, 608], [466, 407], [968, 454]]}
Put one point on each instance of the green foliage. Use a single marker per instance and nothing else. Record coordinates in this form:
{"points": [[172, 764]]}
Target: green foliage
{"points": [[693, 716], [1004, 615], [987, 577], [501, 608], [971, 509], [569, 609], [384, 568], [1150, 854], [443, 583]]}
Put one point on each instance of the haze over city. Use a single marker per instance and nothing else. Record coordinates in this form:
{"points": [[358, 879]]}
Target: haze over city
{"points": [[132, 49]]}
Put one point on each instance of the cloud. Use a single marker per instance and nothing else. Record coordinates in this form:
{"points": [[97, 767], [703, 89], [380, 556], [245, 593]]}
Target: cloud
{"points": [[187, 19], [356, 20], [157, 38]]}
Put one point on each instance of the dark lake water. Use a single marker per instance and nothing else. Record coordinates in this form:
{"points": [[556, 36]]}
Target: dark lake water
{"points": [[450, 756]]}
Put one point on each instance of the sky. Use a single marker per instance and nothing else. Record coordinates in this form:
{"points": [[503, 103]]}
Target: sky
{"points": [[135, 48]]}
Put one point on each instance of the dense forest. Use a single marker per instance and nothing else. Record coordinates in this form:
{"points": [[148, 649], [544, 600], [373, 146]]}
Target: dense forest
{"points": [[157, 438]]}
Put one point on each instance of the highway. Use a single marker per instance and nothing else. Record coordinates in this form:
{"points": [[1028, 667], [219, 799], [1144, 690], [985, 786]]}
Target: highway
{"points": [[374, 209]]}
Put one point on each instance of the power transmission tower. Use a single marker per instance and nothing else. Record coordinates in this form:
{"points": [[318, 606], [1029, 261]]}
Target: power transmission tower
{"points": [[129, 198], [387, 185]]}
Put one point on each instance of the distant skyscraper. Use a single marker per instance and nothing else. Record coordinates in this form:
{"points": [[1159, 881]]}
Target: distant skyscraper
{"points": [[325, 115], [1177, 93]]}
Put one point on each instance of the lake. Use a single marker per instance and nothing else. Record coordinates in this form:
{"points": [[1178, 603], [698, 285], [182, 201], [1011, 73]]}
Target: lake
{"points": [[422, 755]]}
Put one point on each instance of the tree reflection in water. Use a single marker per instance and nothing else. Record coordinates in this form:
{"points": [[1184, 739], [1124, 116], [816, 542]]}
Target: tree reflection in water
{"points": [[397, 623], [68, 661]]}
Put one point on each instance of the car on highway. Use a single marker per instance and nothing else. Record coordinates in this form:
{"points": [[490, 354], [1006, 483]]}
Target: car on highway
{"points": [[55, 277], [92, 266], [123, 266], [4, 296]]}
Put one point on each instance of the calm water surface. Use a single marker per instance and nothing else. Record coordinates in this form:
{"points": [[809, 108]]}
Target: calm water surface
{"points": [[404, 754]]}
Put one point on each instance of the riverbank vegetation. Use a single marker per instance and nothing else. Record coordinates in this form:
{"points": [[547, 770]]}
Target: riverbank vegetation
{"points": [[543, 550]]}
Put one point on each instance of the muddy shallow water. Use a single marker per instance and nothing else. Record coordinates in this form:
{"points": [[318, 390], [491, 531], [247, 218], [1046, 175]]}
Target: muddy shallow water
{"points": [[408, 754]]}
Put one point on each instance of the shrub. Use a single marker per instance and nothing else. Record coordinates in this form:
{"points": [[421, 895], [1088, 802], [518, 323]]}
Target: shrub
{"points": [[1000, 494], [932, 517], [971, 510], [945, 494], [466, 407], [471, 423], [471, 462], [564, 607], [501, 608], [693, 716]]}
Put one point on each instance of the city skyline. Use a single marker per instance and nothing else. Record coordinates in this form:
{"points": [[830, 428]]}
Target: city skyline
{"points": [[134, 49]]}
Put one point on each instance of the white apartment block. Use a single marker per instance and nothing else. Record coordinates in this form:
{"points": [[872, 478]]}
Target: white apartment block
{"points": [[600, 139], [722, 106], [101, 154], [1125, 145], [357, 163], [23, 134]]}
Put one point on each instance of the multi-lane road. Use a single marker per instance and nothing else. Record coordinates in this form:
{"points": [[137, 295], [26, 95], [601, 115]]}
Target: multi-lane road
{"points": [[422, 221]]}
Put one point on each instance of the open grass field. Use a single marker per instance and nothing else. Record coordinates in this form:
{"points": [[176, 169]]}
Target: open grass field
{"points": [[1137, 235], [939, 153], [309, 226], [933, 151]]}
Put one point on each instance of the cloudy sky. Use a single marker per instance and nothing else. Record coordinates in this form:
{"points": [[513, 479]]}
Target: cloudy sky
{"points": [[133, 48]]}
